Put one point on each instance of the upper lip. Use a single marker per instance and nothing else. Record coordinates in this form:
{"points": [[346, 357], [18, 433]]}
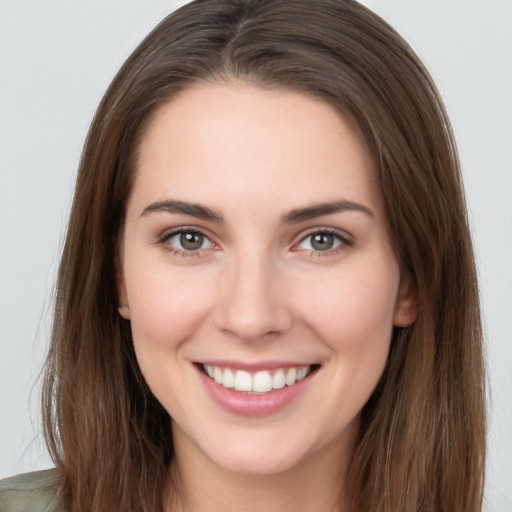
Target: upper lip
{"points": [[254, 366]]}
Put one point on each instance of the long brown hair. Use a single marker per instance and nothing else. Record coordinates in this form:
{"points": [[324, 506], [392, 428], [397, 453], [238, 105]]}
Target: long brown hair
{"points": [[422, 438]]}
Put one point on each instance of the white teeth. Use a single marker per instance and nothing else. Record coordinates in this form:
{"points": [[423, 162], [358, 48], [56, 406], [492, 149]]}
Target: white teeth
{"points": [[278, 381], [243, 381], [228, 379], [302, 373], [217, 375], [260, 382], [291, 375]]}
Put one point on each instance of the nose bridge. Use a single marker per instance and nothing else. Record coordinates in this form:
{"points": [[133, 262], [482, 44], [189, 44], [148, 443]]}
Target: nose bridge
{"points": [[253, 301]]}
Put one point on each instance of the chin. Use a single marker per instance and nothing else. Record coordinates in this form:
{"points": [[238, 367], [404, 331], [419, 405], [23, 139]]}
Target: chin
{"points": [[253, 461]]}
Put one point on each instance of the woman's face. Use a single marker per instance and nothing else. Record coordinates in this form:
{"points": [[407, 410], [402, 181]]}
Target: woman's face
{"points": [[256, 249]]}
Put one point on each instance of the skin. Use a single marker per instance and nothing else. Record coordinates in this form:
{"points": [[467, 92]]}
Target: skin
{"points": [[257, 289]]}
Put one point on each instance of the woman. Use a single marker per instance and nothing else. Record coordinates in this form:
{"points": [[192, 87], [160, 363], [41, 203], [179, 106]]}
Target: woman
{"points": [[267, 295]]}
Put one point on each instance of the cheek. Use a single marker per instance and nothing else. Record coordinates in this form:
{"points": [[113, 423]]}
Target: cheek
{"points": [[165, 310], [166, 306], [354, 319], [355, 310]]}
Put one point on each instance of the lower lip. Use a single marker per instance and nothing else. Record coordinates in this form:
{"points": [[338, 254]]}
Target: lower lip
{"points": [[244, 404]]}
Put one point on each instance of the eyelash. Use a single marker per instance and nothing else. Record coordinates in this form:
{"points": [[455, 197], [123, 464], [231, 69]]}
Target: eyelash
{"points": [[343, 238], [344, 241], [166, 237]]}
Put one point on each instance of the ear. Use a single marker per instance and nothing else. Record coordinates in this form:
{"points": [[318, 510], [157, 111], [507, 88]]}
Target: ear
{"points": [[122, 298], [406, 306]]}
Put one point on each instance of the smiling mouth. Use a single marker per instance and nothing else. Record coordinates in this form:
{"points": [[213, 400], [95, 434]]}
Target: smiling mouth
{"points": [[260, 382]]}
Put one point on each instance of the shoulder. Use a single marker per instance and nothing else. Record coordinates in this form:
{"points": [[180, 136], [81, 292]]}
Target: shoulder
{"points": [[31, 492]]}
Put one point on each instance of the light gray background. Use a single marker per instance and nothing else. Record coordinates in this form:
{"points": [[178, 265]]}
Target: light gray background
{"points": [[56, 59]]}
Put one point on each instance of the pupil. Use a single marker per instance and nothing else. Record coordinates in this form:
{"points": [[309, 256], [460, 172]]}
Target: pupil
{"points": [[322, 242], [191, 241]]}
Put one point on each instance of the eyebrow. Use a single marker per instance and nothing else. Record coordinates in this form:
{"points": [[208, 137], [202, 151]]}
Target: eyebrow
{"points": [[318, 210], [292, 217], [181, 207]]}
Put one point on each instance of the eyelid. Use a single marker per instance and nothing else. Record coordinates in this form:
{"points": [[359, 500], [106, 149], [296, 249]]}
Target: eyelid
{"points": [[169, 233], [345, 238]]}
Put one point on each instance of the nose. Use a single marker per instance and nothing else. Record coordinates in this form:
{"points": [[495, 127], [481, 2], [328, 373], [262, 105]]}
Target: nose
{"points": [[253, 302]]}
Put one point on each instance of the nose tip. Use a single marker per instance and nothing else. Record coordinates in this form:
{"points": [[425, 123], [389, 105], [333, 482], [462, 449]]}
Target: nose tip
{"points": [[249, 326], [253, 305]]}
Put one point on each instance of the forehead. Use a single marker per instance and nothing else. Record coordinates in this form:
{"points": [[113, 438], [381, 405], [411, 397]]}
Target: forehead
{"points": [[243, 141]]}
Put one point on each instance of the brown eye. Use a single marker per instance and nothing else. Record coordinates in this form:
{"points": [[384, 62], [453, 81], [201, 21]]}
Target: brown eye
{"points": [[323, 241], [189, 241]]}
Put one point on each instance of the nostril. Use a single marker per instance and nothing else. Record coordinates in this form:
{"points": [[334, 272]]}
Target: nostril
{"points": [[251, 303]]}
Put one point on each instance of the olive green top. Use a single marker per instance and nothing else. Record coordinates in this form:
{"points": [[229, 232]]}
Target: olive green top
{"points": [[31, 492]]}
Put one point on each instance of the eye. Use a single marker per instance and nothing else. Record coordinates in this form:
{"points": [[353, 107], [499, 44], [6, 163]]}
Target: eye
{"points": [[323, 241], [188, 241]]}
